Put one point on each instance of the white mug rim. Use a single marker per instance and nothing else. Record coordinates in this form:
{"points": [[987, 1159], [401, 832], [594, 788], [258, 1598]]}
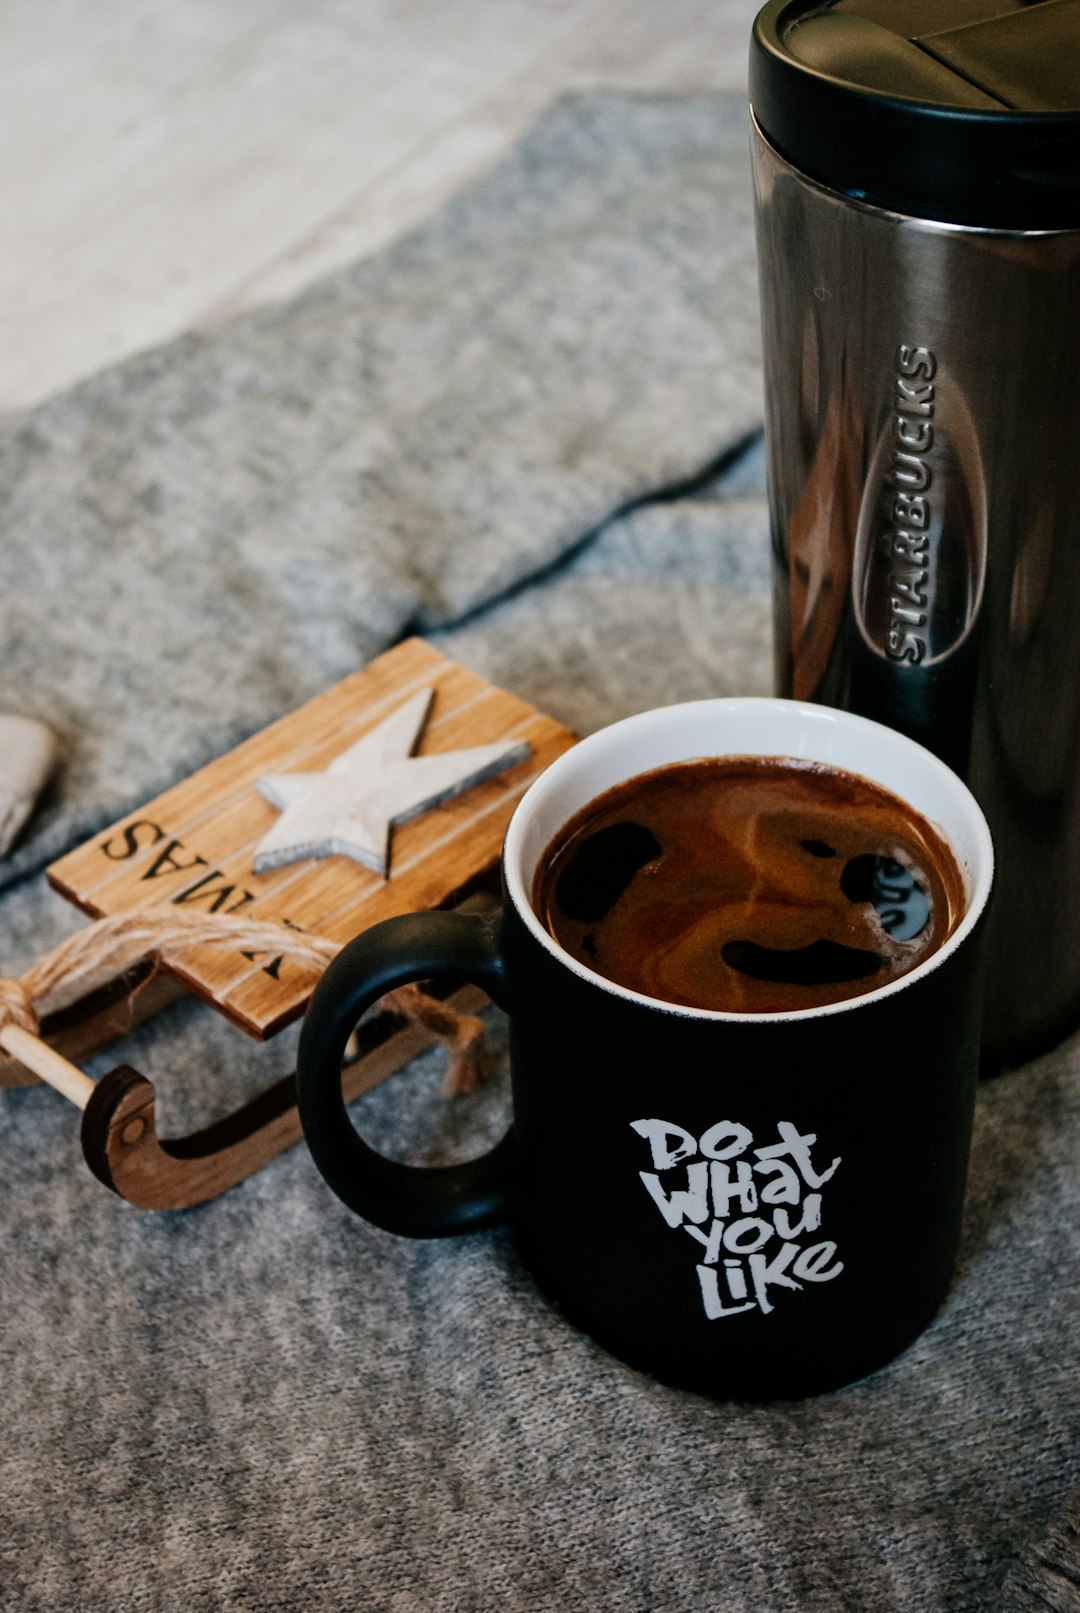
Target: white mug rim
{"points": [[977, 893]]}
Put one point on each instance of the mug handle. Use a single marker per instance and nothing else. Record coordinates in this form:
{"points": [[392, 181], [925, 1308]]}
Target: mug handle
{"points": [[415, 1201]]}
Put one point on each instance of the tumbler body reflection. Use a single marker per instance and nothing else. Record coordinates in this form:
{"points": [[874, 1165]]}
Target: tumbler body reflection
{"points": [[922, 383]]}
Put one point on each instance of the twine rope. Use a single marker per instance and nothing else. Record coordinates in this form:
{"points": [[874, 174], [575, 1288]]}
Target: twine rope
{"points": [[102, 951]]}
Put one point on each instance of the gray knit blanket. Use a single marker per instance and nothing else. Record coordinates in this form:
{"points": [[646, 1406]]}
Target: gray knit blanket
{"points": [[531, 431]]}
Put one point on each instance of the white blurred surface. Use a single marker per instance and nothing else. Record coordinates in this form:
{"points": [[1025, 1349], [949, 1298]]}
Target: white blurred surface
{"points": [[165, 163]]}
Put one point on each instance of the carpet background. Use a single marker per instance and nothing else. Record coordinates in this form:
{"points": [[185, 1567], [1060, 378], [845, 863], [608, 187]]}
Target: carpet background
{"points": [[531, 431]]}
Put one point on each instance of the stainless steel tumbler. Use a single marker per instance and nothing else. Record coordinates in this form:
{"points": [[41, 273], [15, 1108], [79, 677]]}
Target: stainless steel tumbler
{"points": [[917, 172]]}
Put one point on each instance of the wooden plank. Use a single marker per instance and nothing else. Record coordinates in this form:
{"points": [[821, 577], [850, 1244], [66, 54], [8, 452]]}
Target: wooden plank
{"points": [[357, 703], [458, 842], [222, 818], [193, 845], [451, 866], [306, 895]]}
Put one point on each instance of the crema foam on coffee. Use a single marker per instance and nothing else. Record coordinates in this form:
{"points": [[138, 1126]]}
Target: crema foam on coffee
{"points": [[749, 885]]}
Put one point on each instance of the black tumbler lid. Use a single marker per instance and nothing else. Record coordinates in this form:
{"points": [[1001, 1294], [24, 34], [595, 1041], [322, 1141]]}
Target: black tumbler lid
{"points": [[963, 111]]}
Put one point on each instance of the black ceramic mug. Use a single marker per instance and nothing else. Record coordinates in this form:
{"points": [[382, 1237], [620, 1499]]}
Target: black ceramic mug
{"points": [[750, 1205]]}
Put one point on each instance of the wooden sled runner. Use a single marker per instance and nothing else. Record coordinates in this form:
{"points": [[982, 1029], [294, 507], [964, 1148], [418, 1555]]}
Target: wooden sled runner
{"points": [[191, 851]]}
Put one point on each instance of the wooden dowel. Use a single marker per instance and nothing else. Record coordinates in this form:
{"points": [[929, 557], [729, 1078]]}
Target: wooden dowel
{"points": [[49, 1065]]}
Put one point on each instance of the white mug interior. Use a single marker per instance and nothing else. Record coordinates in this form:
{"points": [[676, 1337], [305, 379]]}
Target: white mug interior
{"points": [[749, 727]]}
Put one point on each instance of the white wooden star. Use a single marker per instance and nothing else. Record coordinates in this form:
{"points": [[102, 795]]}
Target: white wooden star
{"points": [[350, 809]]}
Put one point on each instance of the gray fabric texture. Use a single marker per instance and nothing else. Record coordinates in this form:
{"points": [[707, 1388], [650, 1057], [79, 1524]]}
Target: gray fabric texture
{"points": [[1047, 1577], [264, 1404], [212, 532]]}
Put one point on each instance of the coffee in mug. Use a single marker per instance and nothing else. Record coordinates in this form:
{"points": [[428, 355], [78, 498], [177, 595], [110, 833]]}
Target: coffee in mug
{"points": [[749, 884]]}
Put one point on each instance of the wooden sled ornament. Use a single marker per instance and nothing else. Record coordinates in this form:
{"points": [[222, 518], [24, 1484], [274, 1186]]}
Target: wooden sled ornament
{"points": [[192, 851]]}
